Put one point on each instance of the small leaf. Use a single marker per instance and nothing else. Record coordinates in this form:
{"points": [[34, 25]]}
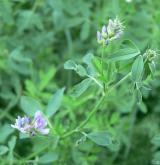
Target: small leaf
{"points": [[85, 31], [12, 143], [152, 67], [29, 105], [81, 70], [3, 150], [137, 69], [102, 138], [70, 65], [156, 140], [48, 158], [5, 131], [23, 136], [73, 22], [142, 107], [46, 78], [18, 62], [80, 88], [114, 118], [138, 95], [97, 64], [27, 19], [55, 102], [156, 158], [87, 59], [124, 54]]}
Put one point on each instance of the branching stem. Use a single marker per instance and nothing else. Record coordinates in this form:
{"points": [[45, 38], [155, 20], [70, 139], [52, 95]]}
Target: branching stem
{"points": [[95, 109]]}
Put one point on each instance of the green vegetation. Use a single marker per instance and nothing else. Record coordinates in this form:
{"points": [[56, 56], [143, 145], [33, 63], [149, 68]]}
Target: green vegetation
{"points": [[99, 97]]}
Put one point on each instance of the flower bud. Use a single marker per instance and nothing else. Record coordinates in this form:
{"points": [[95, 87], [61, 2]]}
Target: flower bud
{"points": [[150, 55], [112, 31]]}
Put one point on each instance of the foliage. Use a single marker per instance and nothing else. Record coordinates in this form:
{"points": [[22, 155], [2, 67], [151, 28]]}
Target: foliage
{"points": [[101, 102]]}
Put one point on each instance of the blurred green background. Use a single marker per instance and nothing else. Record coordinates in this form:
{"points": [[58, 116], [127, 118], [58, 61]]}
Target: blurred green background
{"points": [[36, 38]]}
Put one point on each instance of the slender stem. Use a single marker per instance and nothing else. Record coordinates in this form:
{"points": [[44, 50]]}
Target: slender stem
{"points": [[119, 82], [96, 107], [49, 123], [102, 71], [102, 57], [95, 80], [35, 5], [36, 153], [69, 133], [100, 102], [91, 113]]}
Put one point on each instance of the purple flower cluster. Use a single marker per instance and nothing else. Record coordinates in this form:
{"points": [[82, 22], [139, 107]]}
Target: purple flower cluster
{"points": [[26, 125], [113, 31], [40, 124]]}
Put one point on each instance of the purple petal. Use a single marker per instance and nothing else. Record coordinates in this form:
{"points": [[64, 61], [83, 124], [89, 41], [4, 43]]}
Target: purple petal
{"points": [[40, 122], [104, 29], [38, 114], [22, 124], [99, 36]]}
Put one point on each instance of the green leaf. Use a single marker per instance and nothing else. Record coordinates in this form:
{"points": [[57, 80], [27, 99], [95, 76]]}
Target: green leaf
{"points": [[124, 54], [27, 19], [102, 138], [81, 70], [80, 88], [12, 143], [138, 95], [20, 63], [73, 22], [97, 64], [5, 131], [156, 158], [3, 150], [6, 12], [137, 69], [43, 142], [152, 67], [46, 78], [156, 140], [87, 59], [114, 118], [70, 65], [23, 136], [85, 31], [55, 102], [29, 105], [31, 88], [48, 158], [142, 107]]}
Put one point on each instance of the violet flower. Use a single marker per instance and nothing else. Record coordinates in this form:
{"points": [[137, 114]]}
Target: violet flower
{"points": [[23, 124], [115, 29], [99, 37], [33, 127], [40, 123], [112, 31]]}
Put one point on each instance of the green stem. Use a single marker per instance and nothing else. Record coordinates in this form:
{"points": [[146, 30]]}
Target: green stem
{"points": [[36, 153], [102, 71], [69, 133], [102, 57], [96, 107], [35, 5], [119, 82], [91, 113]]}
